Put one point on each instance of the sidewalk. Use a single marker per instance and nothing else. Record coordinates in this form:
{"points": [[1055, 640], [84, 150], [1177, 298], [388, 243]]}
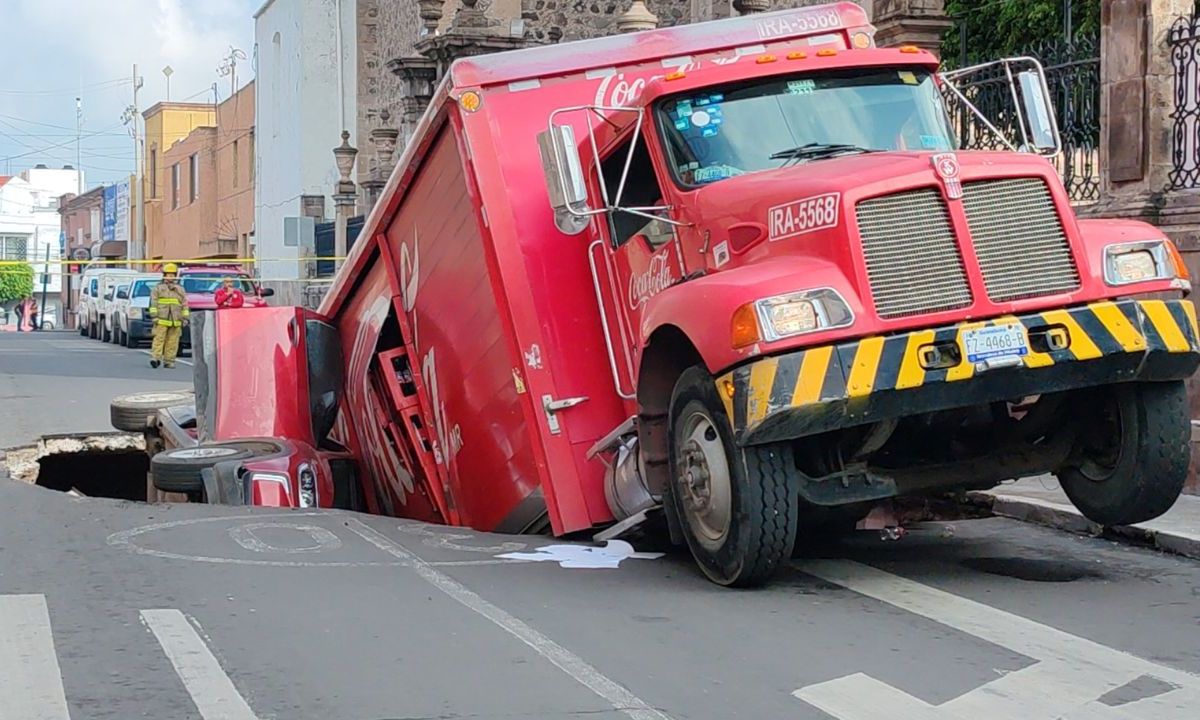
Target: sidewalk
{"points": [[1040, 500]]}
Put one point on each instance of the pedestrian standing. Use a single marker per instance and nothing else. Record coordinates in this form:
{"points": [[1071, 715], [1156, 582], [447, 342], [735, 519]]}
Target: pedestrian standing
{"points": [[169, 309], [20, 310], [32, 314], [229, 295]]}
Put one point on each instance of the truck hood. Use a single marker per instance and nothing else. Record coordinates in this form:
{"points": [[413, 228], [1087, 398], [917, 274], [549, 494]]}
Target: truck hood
{"points": [[808, 208]]}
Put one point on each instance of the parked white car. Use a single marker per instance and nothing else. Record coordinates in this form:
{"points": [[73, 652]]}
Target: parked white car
{"points": [[131, 314], [96, 282], [108, 310]]}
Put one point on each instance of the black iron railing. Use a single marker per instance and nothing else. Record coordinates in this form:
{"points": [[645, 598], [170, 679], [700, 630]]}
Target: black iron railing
{"points": [[1184, 42]]}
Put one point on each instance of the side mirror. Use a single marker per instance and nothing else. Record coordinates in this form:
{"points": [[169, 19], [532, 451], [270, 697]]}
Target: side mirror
{"points": [[564, 178], [122, 295], [1035, 99], [267, 292]]}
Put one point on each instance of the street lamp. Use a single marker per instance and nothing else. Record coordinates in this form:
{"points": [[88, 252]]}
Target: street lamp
{"points": [[168, 72]]}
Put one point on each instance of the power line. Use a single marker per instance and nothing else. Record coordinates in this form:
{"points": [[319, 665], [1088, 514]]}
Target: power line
{"points": [[105, 85]]}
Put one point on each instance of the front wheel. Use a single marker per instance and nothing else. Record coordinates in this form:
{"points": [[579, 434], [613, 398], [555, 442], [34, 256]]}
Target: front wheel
{"points": [[737, 506], [1132, 461]]}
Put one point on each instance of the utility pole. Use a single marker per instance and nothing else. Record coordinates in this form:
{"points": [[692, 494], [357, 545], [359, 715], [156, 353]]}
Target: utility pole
{"points": [[78, 153], [228, 67], [130, 117]]}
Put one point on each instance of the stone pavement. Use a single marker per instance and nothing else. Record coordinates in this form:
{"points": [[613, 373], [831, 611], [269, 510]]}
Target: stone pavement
{"points": [[1040, 500]]}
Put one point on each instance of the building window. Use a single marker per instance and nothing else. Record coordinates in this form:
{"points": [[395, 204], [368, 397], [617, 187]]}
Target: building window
{"points": [[153, 172], [236, 160], [175, 186], [193, 178], [14, 247]]}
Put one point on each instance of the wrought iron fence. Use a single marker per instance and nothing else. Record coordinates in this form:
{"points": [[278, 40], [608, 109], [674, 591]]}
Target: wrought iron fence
{"points": [[1184, 42], [1073, 74]]}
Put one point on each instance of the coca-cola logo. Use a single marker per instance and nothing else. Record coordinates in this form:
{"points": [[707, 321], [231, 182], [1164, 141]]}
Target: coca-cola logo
{"points": [[650, 282], [616, 91]]}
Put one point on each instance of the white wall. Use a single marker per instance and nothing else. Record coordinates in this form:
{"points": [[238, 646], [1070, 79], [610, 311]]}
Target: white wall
{"points": [[29, 207], [298, 122]]}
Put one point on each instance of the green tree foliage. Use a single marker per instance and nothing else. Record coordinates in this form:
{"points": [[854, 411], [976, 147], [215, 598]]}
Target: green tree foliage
{"points": [[16, 281], [1000, 28]]}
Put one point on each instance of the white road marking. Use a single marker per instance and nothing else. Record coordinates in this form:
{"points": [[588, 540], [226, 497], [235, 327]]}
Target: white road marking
{"points": [[31, 685], [1069, 677], [323, 540], [211, 689], [178, 359], [574, 666]]}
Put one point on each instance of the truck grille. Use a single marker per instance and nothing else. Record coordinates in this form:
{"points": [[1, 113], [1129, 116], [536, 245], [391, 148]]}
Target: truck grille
{"points": [[912, 254], [1019, 239]]}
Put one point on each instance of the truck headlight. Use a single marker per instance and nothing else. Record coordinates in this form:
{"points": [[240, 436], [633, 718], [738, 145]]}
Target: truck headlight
{"points": [[783, 316], [135, 313], [1135, 262]]}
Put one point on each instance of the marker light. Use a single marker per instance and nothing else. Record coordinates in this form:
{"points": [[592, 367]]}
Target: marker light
{"points": [[744, 326], [799, 55], [910, 49], [470, 101], [862, 41], [764, 59], [827, 52], [677, 75]]}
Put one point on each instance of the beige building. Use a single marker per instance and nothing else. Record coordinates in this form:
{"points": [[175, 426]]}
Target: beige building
{"points": [[166, 124], [207, 201]]}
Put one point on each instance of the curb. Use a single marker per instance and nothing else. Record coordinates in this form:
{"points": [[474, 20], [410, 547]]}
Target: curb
{"points": [[1064, 517]]}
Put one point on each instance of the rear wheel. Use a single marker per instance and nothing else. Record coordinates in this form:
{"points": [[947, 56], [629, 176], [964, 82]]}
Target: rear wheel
{"points": [[737, 506], [105, 334], [1132, 462], [180, 469], [83, 331]]}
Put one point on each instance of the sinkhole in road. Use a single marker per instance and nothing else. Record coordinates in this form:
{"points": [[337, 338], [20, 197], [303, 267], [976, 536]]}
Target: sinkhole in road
{"points": [[110, 465]]}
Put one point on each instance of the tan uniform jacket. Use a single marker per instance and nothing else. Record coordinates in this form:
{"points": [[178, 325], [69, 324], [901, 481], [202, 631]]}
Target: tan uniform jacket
{"points": [[168, 304]]}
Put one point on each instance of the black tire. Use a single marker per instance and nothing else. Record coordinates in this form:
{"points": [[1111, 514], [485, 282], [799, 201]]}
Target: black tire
{"points": [[1133, 464], [83, 331], [92, 330], [130, 412], [760, 528], [179, 469], [105, 333]]}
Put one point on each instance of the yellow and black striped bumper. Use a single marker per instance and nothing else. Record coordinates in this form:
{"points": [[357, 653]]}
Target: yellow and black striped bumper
{"points": [[835, 386]]}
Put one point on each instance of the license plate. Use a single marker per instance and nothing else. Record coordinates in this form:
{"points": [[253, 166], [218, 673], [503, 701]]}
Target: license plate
{"points": [[995, 341]]}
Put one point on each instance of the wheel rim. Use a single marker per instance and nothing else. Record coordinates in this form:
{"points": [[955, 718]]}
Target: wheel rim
{"points": [[1102, 449], [703, 481], [203, 453]]}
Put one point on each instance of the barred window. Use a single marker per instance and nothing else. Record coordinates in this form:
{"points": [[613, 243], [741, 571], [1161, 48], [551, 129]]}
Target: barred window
{"points": [[14, 247]]}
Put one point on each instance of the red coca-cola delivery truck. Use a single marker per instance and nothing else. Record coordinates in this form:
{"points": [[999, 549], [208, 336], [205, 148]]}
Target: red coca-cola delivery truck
{"points": [[737, 275]]}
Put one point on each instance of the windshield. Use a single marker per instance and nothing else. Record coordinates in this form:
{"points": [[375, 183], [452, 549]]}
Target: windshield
{"points": [[727, 131], [143, 288], [209, 282]]}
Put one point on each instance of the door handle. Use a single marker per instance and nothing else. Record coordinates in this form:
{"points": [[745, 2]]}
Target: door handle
{"points": [[552, 407]]}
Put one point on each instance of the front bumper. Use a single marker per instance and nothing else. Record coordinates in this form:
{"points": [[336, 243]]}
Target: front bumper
{"points": [[141, 329], [835, 386]]}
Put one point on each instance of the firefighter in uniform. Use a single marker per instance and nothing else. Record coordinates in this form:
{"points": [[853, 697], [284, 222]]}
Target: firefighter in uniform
{"points": [[169, 309]]}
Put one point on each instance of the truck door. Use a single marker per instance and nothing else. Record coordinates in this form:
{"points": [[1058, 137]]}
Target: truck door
{"points": [[641, 253]]}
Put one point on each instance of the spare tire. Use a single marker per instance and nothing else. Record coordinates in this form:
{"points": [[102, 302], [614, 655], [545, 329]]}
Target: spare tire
{"points": [[130, 412], [179, 469]]}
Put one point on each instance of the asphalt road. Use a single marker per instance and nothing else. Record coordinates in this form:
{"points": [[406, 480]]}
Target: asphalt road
{"points": [[123, 610], [59, 382]]}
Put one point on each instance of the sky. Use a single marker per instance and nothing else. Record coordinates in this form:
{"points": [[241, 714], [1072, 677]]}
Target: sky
{"points": [[56, 50]]}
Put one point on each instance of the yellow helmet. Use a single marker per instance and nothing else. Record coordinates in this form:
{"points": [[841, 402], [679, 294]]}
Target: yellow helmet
{"points": [[170, 269]]}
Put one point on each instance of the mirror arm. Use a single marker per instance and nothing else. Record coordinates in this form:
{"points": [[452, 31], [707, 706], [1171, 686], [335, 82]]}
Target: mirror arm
{"points": [[948, 77]]}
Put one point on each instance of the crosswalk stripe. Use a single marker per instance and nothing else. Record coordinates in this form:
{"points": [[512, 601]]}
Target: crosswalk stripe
{"points": [[211, 689], [31, 685]]}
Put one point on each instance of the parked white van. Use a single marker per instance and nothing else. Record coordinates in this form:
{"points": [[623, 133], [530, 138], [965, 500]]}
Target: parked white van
{"points": [[96, 282], [129, 319]]}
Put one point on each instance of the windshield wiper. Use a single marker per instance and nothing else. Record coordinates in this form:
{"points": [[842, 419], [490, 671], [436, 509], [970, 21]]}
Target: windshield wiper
{"points": [[817, 151]]}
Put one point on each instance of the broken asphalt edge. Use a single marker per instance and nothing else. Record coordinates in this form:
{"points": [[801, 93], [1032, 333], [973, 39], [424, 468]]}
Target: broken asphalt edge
{"points": [[1064, 517]]}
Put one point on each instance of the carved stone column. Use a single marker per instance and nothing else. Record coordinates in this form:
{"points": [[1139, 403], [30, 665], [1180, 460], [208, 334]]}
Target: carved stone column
{"points": [[430, 12], [417, 78], [383, 140], [749, 7], [637, 18], [911, 22]]}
